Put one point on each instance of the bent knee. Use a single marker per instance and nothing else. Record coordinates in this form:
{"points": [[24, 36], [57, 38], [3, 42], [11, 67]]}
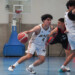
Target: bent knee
{"points": [[29, 56], [42, 60]]}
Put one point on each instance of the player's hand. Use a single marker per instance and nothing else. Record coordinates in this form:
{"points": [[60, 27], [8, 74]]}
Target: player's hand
{"points": [[66, 31], [27, 32]]}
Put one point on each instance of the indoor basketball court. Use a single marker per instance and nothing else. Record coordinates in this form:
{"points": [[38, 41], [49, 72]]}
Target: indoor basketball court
{"points": [[16, 18], [50, 67]]}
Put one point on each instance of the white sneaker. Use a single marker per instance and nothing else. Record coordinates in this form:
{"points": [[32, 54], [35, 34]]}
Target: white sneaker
{"points": [[31, 70], [26, 51], [11, 68], [64, 69]]}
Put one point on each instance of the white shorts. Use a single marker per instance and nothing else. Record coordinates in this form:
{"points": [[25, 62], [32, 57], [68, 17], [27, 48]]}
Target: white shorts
{"points": [[71, 40], [40, 50]]}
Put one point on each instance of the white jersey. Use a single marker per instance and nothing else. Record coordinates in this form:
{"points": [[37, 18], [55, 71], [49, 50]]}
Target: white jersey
{"points": [[70, 27], [41, 38]]}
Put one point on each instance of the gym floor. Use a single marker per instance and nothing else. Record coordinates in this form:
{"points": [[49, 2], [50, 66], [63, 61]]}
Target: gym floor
{"points": [[51, 66]]}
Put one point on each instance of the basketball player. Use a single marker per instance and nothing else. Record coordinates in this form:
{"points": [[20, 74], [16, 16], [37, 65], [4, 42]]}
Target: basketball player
{"points": [[58, 35], [70, 26], [37, 44]]}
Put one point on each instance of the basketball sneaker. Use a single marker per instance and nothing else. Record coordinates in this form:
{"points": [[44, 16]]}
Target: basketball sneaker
{"points": [[64, 69], [31, 70], [11, 68]]}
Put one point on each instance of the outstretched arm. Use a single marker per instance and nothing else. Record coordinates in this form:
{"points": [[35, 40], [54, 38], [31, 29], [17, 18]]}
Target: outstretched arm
{"points": [[36, 29], [54, 31], [52, 27]]}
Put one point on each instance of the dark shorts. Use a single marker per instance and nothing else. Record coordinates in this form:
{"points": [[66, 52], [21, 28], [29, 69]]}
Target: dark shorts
{"points": [[63, 40]]}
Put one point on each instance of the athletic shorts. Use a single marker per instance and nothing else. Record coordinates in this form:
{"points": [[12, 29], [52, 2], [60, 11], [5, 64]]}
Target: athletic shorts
{"points": [[40, 50], [63, 41], [71, 39]]}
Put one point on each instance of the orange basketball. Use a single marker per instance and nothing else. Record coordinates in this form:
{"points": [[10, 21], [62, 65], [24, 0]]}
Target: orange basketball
{"points": [[23, 37]]}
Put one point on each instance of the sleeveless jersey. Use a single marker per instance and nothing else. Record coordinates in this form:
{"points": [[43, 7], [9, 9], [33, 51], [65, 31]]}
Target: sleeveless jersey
{"points": [[70, 26], [60, 37], [41, 38]]}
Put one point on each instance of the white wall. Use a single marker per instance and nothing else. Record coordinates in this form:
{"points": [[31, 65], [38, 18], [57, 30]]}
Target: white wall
{"points": [[3, 12], [38, 8]]}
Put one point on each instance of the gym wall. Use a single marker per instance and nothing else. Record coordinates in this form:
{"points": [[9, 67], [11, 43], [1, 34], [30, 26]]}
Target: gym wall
{"points": [[38, 7]]}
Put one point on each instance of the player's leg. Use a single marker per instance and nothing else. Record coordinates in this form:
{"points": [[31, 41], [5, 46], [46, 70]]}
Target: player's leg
{"points": [[68, 59], [39, 61], [26, 57], [67, 49], [67, 52], [31, 67], [41, 52], [65, 44], [29, 54], [23, 58]]}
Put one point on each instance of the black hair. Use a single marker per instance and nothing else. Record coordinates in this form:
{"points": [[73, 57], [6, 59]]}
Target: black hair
{"points": [[61, 20], [70, 3], [45, 16], [71, 16]]}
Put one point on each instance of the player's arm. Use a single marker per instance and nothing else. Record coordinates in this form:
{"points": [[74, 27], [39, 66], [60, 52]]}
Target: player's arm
{"points": [[54, 31], [71, 15], [51, 27], [66, 31], [36, 29]]}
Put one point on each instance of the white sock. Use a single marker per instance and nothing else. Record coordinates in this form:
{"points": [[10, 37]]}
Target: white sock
{"points": [[31, 66], [62, 66], [15, 64]]}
